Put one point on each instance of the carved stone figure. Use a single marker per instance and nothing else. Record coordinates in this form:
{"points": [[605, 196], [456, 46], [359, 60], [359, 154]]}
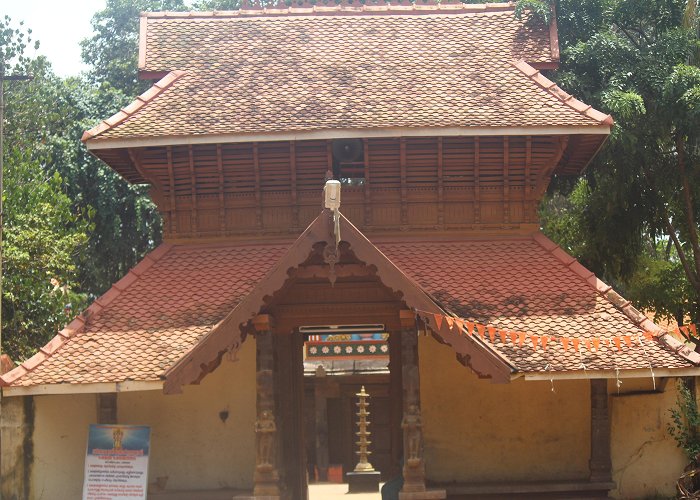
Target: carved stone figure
{"points": [[413, 432], [265, 430]]}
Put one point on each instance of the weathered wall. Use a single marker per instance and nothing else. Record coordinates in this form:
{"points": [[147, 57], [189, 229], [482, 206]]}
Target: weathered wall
{"points": [[191, 445], [476, 431], [645, 458], [58, 443], [15, 430]]}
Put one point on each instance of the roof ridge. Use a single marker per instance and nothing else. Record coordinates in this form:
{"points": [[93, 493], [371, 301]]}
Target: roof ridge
{"points": [[618, 301], [78, 324], [307, 8], [553, 89], [159, 87]]}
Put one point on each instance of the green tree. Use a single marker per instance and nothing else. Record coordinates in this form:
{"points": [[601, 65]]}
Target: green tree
{"points": [[43, 234], [112, 51], [631, 58]]}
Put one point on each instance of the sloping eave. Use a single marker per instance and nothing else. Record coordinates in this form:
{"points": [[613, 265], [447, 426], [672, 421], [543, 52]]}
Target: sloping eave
{"points": [[228, 334]]}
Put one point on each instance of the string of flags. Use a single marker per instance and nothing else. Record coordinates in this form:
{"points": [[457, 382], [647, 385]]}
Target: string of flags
{"points": [[521, 339]]}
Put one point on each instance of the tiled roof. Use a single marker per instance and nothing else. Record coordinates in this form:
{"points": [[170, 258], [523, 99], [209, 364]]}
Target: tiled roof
{"points": [[162, 308], [378, 67], [531, 285], [151, 317]]}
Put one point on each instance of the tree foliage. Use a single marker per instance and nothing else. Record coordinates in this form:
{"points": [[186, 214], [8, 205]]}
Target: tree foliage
{"points": [[632, 58], [43, 234]]}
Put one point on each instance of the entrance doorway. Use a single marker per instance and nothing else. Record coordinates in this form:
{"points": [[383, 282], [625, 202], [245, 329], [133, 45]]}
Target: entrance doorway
{"points": [[316, 397]]}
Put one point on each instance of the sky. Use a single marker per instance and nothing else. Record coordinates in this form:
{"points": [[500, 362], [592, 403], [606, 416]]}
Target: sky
{"points": [[59, 25]]}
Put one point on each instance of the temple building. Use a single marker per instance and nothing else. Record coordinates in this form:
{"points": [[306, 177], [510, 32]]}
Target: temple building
{"points": [[497, 365]]}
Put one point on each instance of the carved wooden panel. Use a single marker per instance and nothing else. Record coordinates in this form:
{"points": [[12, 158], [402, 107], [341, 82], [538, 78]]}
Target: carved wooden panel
{"points": [[424, 182]]}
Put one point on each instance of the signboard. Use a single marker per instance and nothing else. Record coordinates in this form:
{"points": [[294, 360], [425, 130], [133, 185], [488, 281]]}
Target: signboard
{"points": [[116, 464]]}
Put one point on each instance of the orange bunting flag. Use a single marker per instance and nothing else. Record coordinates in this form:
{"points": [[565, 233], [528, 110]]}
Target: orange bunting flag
{"points": [[513, 337], [565, 343], [693, 330], [648, 335], [618, 343], [492, 333], [596, 344], [545, 339], [628, 340], [588, 344], [522, 337], [502, 334], [576, 343], [684, 330], [470, 327], [438, 320], [450, 321], [535, 340], [481, 329]]}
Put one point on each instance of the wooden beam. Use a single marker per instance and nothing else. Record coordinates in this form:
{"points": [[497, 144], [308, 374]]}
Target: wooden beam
{"points": [[408, 318], [321, 417], [339, 133], [36, 390], [171, 179], [258, 194], [367, 191], [506, 180], [396, 400], [441, 184], [528, 185], [546, 174], [222, 195], [477, 190], [323, 271], [404, 190], [193, 191], [262, 323], [329, 158], [293, 183]]}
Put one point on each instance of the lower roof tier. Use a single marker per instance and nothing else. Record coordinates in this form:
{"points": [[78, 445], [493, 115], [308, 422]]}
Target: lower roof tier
{"points": [[179, 294]]}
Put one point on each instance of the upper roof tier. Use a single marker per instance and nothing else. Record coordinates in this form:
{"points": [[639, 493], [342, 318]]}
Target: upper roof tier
{"points": [[344, 71]]}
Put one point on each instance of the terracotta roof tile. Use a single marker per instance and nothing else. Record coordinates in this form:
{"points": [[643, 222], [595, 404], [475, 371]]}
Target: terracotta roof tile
{"points": [[524, 285], [428, 67], [163, 306], [531, 285]]}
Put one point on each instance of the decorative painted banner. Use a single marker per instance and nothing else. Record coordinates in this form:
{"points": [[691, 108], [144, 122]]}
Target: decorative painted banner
{"points": [[685, 333], [116, 463], [362, 348]]}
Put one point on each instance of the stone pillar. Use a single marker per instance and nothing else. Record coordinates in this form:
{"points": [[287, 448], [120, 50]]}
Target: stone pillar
{"points": [[266, 476], [600, 464], [413, 467], [412, 422]]}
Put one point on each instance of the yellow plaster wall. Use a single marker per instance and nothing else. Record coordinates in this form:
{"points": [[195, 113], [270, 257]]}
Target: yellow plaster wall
{"points": [[476, 431], [645, 458], [190, 444], [59, 443]]}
